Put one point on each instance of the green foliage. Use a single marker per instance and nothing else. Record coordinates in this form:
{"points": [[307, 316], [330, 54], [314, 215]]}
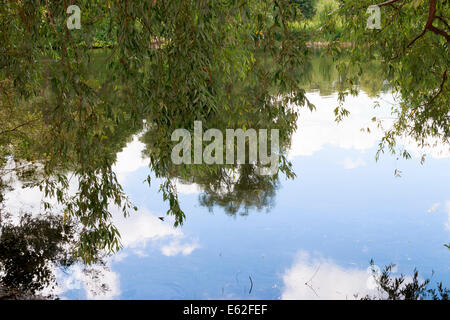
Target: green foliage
{"points": [[326, 76], [29, 250], [307, 7], [414, 55], [406, 288], [169, 63], [321, 25]]}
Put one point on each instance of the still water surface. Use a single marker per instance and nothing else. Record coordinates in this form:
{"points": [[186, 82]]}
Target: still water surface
{"points": [[313, 239]]}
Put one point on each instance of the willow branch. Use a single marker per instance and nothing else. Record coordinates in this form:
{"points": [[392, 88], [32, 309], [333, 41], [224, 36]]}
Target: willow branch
{"points": [[441, 88], [19, 126], [429, 25], [386, 3]]}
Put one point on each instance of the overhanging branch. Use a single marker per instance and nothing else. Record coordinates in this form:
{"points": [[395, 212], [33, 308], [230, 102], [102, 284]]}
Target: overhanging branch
{"points": [[429, 25]]}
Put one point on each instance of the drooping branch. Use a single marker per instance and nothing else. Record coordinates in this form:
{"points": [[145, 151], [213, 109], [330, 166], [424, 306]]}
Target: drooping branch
{"points": [[441, 87], [429, 25], [439, 31], [386, 3], [18, 126], [443, 21], [416, 38]]}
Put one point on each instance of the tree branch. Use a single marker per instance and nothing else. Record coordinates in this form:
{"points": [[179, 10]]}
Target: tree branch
{"points": [[429, 25], [443, 21], [441, 88], [386, 3], [439, 31], [416, 38], [18, 126]]}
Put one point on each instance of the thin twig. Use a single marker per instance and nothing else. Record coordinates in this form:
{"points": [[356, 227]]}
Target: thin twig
{"points": [[19, 126], [312, 277], [441, 88]]}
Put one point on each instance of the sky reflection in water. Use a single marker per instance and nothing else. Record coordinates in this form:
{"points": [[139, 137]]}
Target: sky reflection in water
{"points": [[342, 210]]}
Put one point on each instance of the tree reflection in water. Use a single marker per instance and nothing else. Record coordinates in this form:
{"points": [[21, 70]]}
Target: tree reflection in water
{"points": [[31, 252]]}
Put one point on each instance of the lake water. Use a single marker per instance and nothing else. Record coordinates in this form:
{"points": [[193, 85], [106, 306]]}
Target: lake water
{"points": [[313, 239]]}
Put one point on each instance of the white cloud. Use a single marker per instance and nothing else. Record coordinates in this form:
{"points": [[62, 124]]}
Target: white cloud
{"points": [[433, 208], [98, 282], [352, 164], [23, 200], [119, 256], [192, 188], [318, 129], [130, 159], [175, 247], [30, 200], [319, 278], [141, 227]]}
